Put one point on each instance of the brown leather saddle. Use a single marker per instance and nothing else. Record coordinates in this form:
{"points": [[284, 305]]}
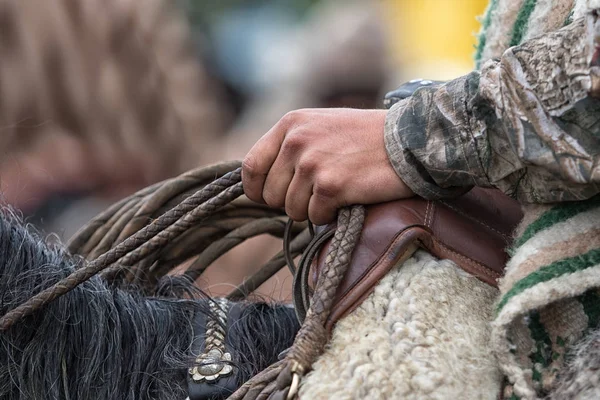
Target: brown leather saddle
{"points": [[473, 230]]}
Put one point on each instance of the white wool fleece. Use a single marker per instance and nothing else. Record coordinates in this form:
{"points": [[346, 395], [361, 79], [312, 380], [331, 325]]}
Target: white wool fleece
{"points": [[422, 334]]}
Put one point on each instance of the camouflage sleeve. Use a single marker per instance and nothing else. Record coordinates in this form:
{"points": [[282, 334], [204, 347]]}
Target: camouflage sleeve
{"points": [[527, 124]]}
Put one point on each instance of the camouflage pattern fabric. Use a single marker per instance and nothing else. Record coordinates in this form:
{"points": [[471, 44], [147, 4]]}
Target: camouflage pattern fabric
{"points": [[525, 123]]}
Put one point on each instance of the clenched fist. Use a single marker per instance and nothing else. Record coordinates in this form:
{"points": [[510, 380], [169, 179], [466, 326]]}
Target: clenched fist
{"points": [[314, 161]]}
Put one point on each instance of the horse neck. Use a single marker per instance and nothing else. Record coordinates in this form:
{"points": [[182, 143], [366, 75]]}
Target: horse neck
{"points": [[101, 343]]}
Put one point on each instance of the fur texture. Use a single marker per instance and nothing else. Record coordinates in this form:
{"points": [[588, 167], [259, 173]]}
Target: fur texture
{"points": [[98, 342], [580, 379], [498, 35], [584, 6], [422, 334], [548, 16]]}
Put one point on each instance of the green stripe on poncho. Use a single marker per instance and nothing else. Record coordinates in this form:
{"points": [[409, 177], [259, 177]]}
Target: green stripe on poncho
{"points": [[504, 24], [549, 296]]}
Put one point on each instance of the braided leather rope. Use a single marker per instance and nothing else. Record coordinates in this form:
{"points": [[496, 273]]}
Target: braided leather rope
{"points": [[281, 380], [143, 237], [200, 243]]}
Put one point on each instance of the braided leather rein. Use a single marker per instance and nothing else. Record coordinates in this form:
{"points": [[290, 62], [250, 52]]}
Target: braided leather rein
{"points": [[121, 247]]}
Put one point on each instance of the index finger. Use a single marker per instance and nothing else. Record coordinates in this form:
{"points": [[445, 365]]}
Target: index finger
{"points": [[258, 162]]}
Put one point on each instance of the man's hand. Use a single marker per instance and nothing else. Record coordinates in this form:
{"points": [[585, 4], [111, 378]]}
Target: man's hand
{"points": [[314, 161]]}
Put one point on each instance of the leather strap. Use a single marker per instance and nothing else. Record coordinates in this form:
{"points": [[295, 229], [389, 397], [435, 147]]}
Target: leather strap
{"points": [[301, 290], [222, 386], [407, 89], [473, 231]]}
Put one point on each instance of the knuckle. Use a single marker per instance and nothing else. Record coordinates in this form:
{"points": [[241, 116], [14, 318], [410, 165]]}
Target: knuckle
{"points": [[292, 144], [295, 144], [306, 167], [290, 118], [327, 188]]}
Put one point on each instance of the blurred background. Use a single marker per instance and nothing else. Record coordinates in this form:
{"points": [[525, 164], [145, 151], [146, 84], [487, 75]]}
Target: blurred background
{"points": [[99, 98]]}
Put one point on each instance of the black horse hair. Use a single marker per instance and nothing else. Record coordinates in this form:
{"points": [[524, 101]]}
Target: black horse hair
{"points": [[102, 342]]}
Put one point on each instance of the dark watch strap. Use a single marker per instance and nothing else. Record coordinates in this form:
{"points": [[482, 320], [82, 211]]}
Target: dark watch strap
{"points": [[406, 90]]}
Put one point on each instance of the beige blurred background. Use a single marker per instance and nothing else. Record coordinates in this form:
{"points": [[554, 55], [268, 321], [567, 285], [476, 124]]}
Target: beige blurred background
{"points": [[99, 98]]}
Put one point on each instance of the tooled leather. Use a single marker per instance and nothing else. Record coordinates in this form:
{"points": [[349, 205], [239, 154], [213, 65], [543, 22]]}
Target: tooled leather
{"points": [[473, 230]]}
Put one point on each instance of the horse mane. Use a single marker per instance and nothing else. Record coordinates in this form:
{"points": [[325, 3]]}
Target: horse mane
{"points": [[102, 342]]}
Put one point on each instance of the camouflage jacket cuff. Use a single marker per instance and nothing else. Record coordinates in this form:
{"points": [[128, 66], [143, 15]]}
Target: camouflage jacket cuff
{"points": [[405, 162], [434, 142]]}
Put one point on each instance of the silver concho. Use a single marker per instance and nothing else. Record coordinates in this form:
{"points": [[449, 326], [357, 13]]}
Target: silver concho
{"points": [[214, 362]]}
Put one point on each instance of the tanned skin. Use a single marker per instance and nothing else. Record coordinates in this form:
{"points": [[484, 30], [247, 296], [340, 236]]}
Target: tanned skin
{"points": [[314, 161]]}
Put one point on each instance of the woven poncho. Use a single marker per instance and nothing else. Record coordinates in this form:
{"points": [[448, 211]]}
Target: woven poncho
{"points": [[549, 296], [507, 23]]}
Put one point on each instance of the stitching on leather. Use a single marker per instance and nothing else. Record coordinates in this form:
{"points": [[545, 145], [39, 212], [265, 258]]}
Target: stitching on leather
{"points": [[457, 210], [427, 213], [478, 266], [431, 214]]}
